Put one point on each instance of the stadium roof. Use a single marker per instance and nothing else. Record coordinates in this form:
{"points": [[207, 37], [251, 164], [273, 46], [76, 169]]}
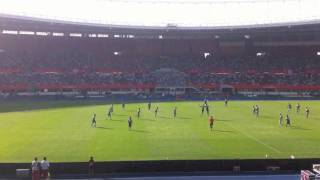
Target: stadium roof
{"points": [[168, 13]]}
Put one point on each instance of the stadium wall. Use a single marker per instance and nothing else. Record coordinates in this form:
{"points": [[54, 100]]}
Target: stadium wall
{"points": [[265, 165]]}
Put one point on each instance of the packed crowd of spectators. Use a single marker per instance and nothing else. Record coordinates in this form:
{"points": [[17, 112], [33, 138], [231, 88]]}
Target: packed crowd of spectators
{"points": [[82, 68], [261, 78], [73, 78]]}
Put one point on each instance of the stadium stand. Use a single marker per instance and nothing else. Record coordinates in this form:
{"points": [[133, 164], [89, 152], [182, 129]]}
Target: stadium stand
{"points": [[38, 64]]}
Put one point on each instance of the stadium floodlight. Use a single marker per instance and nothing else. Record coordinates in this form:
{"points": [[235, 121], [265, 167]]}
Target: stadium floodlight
{"points": [[318, 53], [103, 35], [9, 32], [92, 35], [42, 33], [116, 53], [57, 34], [259, 54], [75, 35], [160, 37], [206, 54], [26, 32]]}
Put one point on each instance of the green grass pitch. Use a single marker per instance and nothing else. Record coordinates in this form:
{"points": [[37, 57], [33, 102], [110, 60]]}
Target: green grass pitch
{"points": [[61, 131]]}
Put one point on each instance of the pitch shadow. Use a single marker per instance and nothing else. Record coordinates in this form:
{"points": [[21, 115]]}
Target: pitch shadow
{"points": [[121, 115], [100, 127], [140, 131], [224, 120], [184, 118], [300, 128], [146, 119], [224, 131], [164, 117], [266, 116], [114, 120]]}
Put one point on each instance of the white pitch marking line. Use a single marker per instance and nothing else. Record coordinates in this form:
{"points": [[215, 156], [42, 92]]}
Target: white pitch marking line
{"points": [[257, 140]]}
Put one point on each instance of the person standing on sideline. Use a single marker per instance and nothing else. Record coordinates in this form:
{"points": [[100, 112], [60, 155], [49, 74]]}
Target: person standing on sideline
{"points": [[44, 168], [91, 166], [35, 167]]}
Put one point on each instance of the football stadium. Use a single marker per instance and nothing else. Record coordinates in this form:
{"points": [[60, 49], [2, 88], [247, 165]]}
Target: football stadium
{"points": [[145, 89]]}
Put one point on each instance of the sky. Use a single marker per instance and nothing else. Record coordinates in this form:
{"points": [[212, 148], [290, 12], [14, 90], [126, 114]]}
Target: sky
{"points": [[182, 13]]}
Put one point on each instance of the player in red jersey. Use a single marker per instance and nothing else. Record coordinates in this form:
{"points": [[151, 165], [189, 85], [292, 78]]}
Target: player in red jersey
{"points": [[211, 120]]}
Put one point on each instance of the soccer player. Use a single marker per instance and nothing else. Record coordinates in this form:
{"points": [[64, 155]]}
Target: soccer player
{"points": [[130, 122], [211, 120], [202, 109], [156, 111], [205, 101], [149, 105], [111, 108], [298, 107], [175, 112], [288, 121], [226, 102], [109, 114], [138, 112], [93, 122], [257, 110], [207, 109], [123, 105], [280, 119], [289, 107], [254, 110], [307, 112]]}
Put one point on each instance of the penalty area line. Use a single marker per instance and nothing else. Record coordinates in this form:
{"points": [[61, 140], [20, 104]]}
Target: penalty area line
{"points": [[256, 139]]}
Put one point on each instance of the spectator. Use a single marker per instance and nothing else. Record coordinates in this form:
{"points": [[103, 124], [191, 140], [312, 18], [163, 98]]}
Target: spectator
{"points": [[91, 166], [44, 168], [35, 167]]}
